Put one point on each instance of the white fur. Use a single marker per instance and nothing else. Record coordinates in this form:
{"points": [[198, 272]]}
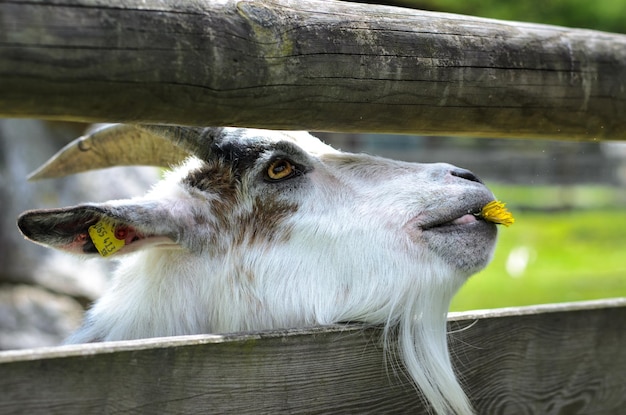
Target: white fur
{"points": [[353, 250]]}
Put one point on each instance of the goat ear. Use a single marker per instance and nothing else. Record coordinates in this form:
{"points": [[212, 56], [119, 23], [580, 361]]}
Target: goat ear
{"points": [[93, 229]]}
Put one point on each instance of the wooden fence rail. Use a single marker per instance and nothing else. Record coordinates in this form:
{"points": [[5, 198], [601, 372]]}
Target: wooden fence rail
{"points": [[556, 359], [308, 64]]}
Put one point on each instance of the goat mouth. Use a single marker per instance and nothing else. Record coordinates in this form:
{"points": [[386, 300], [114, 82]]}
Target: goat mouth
{"points": [[460, 237], [467, 218]]}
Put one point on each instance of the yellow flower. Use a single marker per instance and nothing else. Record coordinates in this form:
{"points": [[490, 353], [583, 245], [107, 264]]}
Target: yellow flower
{"points": [[496, 212]]}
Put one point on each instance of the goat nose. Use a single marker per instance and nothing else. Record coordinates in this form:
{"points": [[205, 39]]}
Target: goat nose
{"points": [[465, 174]]}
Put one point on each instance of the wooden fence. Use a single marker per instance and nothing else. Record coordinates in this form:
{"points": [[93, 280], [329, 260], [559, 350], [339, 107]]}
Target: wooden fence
{"points": [[554, 359], [308, 64], [287, 64]]}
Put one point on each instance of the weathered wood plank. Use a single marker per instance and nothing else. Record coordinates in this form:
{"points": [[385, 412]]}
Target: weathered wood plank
{"points": [[538, 360], [308, 64], [563, 359]]}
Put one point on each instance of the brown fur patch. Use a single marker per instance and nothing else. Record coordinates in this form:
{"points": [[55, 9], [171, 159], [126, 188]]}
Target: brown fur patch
{"points": [[217, 179], [264, 222], [232, 226], [214, 177]]}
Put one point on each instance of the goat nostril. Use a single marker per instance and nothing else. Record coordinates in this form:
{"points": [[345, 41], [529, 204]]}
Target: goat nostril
{"points": [[466, 174]]}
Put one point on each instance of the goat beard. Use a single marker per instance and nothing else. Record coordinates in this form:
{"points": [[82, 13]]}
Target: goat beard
{"points": [[420, 333]]}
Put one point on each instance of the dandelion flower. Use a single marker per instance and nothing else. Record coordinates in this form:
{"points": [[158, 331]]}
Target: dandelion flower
{"points": [[496, 212]]}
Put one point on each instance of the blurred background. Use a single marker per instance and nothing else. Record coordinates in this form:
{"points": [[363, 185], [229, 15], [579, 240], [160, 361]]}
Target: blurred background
{"points": [[606, 15], [568, 198]]}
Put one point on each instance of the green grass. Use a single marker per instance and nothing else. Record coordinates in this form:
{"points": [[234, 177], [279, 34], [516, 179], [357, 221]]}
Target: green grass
{"points": [[562, 256]]}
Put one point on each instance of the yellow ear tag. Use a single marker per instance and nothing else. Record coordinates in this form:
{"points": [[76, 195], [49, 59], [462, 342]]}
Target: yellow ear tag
{"points": [[103, 237], [496, 212]]}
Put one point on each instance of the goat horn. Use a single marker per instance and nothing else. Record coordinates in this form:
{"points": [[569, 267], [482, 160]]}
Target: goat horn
{"points": [[195, 140], [127, 145]]}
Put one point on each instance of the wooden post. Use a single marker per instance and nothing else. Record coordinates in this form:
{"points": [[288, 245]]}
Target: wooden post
{"points": [[308, 64]]}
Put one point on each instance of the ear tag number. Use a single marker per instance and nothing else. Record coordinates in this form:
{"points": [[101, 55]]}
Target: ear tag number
{"points": [[103, 237]]}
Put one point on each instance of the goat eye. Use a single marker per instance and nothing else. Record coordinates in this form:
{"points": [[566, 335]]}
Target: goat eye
{"points": [[280, 169]]}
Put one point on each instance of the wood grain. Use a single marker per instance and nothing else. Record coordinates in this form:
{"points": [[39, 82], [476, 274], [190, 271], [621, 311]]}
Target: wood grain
{"points": [[563, 360], [308, 64]]}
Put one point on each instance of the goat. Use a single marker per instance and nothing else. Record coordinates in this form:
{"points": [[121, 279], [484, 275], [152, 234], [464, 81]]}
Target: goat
{"points": [[258, 229]]}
